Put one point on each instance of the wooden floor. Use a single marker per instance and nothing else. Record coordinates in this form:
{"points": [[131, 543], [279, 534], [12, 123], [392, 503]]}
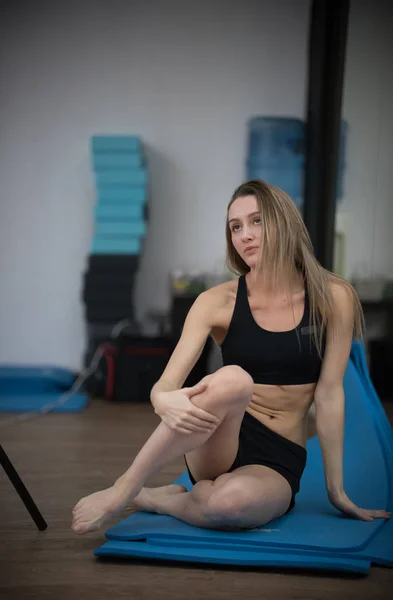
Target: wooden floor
{"points": [[63, 457]]}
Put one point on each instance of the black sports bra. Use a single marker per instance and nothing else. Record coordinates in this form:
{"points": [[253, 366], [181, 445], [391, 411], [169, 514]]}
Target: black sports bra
{"points": [[275, 358]]}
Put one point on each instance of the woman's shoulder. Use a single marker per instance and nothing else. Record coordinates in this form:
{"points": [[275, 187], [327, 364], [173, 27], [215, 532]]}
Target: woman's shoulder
{"points": [[344, 297], [341, 289], [217, 297], [222, 293]]}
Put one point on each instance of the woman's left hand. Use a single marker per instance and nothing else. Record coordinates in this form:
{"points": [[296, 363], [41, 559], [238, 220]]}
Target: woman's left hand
{"points": [[344, 504]]}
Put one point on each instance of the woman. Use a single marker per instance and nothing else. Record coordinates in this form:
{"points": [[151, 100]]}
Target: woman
{"points": [[285, 328]]}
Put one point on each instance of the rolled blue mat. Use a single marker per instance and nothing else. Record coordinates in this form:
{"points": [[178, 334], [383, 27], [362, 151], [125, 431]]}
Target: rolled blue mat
{"points": [[129, 177], [117, 143], [124, 229], [314, 527]]}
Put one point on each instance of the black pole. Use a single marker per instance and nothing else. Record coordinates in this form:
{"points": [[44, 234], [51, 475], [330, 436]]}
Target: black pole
{"points": [[22, 491], [326, 61]]}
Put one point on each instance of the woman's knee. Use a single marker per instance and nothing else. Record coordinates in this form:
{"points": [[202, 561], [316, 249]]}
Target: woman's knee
{"points": [[235, 380], [229, 504], [229, 390]]}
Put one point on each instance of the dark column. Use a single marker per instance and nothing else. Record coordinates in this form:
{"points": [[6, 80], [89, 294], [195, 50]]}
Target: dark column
{"points": [[326, 56]]}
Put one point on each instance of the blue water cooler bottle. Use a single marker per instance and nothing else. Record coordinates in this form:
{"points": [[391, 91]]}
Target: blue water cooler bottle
{"points": [[276, 153]]}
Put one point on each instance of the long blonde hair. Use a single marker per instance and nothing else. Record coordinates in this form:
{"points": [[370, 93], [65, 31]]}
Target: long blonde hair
{"points": [[286, 248]]}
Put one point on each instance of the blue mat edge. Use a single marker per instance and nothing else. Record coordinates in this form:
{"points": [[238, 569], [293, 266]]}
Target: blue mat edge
{"points": [[117, 549]]}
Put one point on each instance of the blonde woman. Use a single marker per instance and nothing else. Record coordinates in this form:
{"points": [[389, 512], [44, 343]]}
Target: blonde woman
{"points": [[285, 328]]}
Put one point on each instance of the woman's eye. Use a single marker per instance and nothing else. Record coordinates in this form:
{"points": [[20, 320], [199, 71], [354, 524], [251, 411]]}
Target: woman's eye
{"points": [[257, 220], [234, 227]]}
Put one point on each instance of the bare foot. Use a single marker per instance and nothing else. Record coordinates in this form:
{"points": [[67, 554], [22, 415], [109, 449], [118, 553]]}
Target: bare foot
{"points": [[93, 511], [145, 500]]}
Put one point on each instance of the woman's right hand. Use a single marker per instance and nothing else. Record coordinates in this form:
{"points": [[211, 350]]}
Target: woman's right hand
{"points": [[180, 414]]}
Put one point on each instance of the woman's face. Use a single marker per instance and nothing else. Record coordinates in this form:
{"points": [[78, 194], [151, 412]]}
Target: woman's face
{"points": [[245, 224]]}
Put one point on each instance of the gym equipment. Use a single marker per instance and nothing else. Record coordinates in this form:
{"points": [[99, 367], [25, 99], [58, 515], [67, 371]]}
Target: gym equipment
{"points": [[133, 364], [120, 172], [314, 534]]}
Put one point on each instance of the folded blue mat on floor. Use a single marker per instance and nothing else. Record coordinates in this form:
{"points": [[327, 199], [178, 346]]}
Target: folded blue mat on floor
{"points": [[21, 378], [26, 388], [35, 402], [314, 529]]}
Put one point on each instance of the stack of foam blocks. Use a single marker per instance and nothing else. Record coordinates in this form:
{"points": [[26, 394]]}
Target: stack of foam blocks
{"points": [[120, 214]]}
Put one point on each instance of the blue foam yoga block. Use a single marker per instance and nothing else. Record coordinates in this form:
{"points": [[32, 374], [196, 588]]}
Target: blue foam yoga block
{"points": [[129, 177], [116, 143], [314, 525], [124, 229], [115, 246], [111, 161], [125, 195], [119, 212]]}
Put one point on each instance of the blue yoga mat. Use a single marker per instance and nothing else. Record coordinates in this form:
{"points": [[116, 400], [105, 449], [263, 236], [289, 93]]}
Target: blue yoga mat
{"points": [[240, 557], [314, 528]]}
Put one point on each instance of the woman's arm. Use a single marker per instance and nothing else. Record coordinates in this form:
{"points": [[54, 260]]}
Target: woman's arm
{"points": [[196, 330], [329, 393], [329, 404]]}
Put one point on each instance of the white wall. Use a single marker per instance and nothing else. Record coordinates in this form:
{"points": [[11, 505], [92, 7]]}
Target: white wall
{"points": [[184, 75], [367, 209]]}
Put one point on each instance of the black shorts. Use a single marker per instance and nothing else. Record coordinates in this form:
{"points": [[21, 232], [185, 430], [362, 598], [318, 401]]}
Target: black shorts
{"points": [[259, 445]]}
